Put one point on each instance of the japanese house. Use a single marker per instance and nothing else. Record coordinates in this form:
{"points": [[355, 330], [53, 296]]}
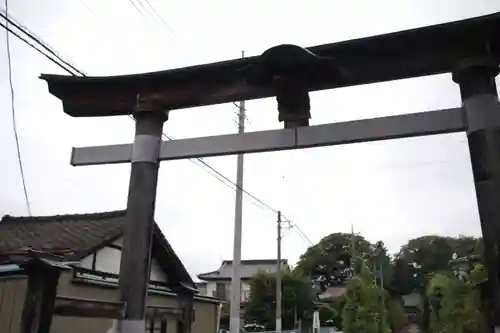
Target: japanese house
{"points": [[218, 283], [87, 247]]}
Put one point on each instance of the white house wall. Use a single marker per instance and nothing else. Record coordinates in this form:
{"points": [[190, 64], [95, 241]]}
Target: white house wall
{"points": [[211, 288], [108, 260]]}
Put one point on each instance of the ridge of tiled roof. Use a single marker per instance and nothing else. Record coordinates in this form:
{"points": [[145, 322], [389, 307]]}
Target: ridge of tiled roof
{"points": [[59, 217], [79, 234], [255, 261]]}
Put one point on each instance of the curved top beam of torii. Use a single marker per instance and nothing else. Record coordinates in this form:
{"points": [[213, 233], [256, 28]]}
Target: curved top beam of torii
{"points": [[412, 53]]}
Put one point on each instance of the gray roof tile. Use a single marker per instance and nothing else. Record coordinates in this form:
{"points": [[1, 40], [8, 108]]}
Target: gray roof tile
{"points": [[76, 236], [248, 269]]}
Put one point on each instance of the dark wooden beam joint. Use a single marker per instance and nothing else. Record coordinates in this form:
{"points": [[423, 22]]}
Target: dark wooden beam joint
{"points": [[476, 78], [290, 69], [293, 101], [150, 102]]}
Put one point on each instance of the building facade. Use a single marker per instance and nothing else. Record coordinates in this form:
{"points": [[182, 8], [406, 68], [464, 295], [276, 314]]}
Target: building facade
{"points": [[88, 248], [218, 283]]}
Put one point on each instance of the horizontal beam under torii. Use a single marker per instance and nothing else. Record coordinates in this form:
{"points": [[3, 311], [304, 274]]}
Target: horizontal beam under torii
{"points": [[412, 53], [393, 127]]}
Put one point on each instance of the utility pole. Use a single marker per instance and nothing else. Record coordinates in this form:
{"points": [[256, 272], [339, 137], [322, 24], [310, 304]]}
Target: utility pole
{"points": [[235, 311], [278, 279]]}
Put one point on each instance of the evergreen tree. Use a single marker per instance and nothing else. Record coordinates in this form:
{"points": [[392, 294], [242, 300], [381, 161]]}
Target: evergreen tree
{"points": [[365, 305], [456, 303]]}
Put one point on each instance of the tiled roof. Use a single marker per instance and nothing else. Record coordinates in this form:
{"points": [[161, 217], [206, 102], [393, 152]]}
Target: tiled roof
{"points": [[248, 269], [76, 236], [72, 236]]}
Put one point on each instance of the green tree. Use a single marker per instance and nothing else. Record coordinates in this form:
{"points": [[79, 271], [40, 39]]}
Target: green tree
{"points": [[330, 311], [380, 264], [456, 303], [402, 280], [396, 315], [297, 299], [328, 263], [429, 255], [365, 305]]}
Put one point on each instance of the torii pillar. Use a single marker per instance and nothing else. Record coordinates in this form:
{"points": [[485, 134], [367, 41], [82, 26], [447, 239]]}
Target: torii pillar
{"points": [[478, 90], [135, 264]]}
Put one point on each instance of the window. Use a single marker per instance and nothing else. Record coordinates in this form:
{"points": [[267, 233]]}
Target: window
{"points": [[245, 295], [156, 326], [221, 290]]}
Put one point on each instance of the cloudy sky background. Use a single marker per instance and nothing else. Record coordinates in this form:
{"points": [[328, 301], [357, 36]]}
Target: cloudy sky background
{"points": [[392, 191]]}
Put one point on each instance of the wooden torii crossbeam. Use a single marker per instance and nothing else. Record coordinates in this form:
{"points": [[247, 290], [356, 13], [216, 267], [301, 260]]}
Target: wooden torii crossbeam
{"points": [[469, 49]]}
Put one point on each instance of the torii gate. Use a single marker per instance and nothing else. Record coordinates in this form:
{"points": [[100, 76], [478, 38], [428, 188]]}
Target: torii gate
{"points": [[469, 49]]}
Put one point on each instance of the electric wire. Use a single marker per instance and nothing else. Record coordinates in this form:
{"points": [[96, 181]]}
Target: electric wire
{"points": [[32, 36], [35, 48], [142, 6], [204, 165], [159, 17], [13, 109], [137, 8]]}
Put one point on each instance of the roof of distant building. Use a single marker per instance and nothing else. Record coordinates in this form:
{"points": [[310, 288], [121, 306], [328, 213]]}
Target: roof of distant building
{"points": [[248, 269]]}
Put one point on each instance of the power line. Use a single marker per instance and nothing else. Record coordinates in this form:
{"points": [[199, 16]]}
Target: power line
{"points": [[141, 5], [297, 230], [14, 124], [32, 36], [137, 8], [226, 180], [35, 48], [159, 17], [144, 11], [302, 234], [213, 172], [219, 174], [86, 6]]}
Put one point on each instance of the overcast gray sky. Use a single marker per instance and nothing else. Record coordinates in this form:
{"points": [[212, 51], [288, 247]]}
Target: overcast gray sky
{"points": [[392, 191]]}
